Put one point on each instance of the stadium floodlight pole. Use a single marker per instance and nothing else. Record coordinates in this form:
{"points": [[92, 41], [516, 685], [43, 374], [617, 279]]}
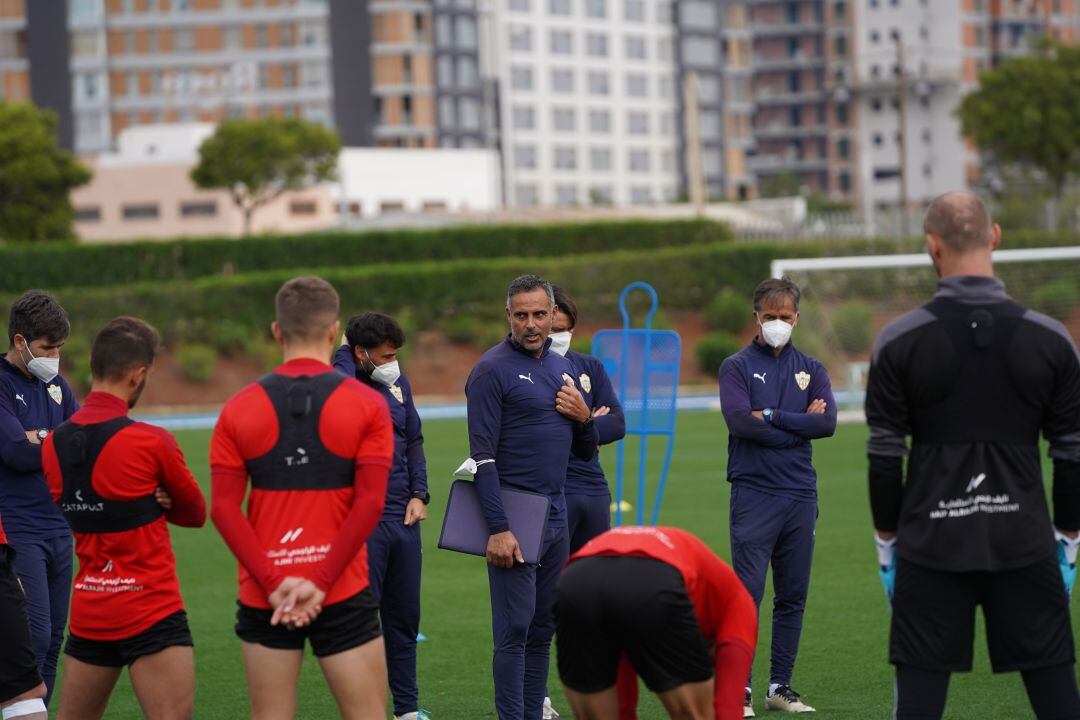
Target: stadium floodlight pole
{"points": [[780, 267]]}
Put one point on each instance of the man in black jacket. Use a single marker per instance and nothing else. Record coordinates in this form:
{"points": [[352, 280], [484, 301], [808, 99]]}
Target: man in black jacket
{"points": [[973, 377]]}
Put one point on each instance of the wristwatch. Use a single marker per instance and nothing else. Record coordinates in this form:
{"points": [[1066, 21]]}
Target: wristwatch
{"points": [[588, 424], [422, 495], [767, 414], [42, 434]]}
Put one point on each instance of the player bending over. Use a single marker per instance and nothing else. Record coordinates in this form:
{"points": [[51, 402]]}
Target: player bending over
{"points": [[105, 472], [659, 598], [317, 447]]}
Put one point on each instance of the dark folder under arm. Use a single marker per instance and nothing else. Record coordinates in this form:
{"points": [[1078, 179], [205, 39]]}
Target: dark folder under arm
{"points": [[465, 530]]}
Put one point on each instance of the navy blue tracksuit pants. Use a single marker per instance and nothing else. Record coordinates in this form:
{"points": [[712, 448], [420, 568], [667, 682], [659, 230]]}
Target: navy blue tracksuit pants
{"points": [[587, 517], [394, 559], [778, 530], [522, 625], [44, 569]]}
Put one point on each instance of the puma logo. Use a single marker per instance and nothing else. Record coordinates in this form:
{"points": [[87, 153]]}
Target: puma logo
{"points": [[20, 399], [760, 376], [527, 377], [976, 481]]}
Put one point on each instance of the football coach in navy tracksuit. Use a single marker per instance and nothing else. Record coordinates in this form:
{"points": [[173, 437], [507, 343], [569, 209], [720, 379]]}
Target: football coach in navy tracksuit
{"points": [[525, 418], [775, 400], [34, 399], [394, 548]]}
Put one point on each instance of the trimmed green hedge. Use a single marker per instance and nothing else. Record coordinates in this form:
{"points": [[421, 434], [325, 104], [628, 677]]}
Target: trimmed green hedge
{"points": [[67, 265], [686, 277]]}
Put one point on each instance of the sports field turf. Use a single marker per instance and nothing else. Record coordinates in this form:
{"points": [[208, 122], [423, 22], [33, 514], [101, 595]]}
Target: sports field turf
{"points": [[841, 670]]}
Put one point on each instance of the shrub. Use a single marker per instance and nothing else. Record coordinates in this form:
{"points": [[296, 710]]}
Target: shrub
{"points": [[713, 348], [581, 342], [853, 325], [728, 311], [75, 362], [197, 362], [1057, 298], [461, 329]]}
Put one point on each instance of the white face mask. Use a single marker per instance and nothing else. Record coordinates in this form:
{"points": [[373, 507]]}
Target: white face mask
{"points": [[776, 333], [43, 368], [387, 373], [560, 342]]}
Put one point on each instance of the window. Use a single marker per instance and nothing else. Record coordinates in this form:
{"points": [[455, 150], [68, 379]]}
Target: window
{"points": [[698, 14], [561, 42], [640, 195], [875, 36], [303, 207], [565, 195], [875, 104], [559, 7], [445, 70], [666, 86], [709, 125], [524, 157], [665, 49], [152, 41], [519, 6], [840, 45], [600, 159], [700, 51], [565, 157], [878, 140], [634, 10], [467, 76], [183, 40], [447, 111], [232, 38], [563, 119], [601, 195], [521, 77], [465, 32], [444, 31], [595, 8], [667, 161], [90, 213], [470, 113], [842, 114], [667, 124], [83, 44], [391, 206], [599, 121], [520, 38], [638, 161], [665, 11], [131, 83], [562, 80], [886, 173], [526, 196], [845, 182], [708, 90], [261, 39], [843, 148], [288, 76], [86, 10], [147, 211], [524, 117], [596, 44], [599, 83], [637, 123], [635, 47], [637, 85], [839, 9], [199, 208]]}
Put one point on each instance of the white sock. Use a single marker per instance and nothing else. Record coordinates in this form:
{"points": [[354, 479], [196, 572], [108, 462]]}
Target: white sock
{"points": [[772, 688], [25, 709]]}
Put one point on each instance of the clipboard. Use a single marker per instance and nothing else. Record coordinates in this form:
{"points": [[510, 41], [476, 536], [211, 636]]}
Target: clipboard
{"points": [[464, 529]]}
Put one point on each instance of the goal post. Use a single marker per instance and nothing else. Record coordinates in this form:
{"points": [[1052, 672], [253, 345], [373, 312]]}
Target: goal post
{"points": [[847, 300]]}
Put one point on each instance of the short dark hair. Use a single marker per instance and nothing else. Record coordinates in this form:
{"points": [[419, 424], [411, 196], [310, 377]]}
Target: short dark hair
{"points": [[305, 307], [372, 329], [769, 290], [35, 314], [528, 283], [124, 344], [566, 304], [961, 220]]}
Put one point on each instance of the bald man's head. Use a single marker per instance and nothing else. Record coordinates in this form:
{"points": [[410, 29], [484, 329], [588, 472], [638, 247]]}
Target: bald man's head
{"points": [[960, 221]]}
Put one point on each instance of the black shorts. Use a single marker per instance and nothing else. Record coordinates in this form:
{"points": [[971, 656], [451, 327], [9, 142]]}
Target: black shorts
{"points": [[605, 606], [339, 627], [18, 665], [1026, 611], [169, 632]]}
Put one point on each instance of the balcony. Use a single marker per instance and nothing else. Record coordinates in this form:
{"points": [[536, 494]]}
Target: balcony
{"points": [[768, 97], [765, 164], [804, 27], [778, 131], [797, 61]]}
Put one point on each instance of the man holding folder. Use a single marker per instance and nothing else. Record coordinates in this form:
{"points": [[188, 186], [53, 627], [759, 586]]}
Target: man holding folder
{"points": [[525, 418]]}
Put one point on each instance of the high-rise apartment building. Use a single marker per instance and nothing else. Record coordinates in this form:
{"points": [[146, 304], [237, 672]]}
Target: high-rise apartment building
{"points": [[587, 108]]}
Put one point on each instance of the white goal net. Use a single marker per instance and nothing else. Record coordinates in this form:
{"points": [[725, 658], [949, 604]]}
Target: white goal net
{"points": [[847, 300]]}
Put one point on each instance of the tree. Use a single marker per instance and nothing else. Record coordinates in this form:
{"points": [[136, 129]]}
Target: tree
{"points": [[36, 176], [1026, 112], [258, 160]]}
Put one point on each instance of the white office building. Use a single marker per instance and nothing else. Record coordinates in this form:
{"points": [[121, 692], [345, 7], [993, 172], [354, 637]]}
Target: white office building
{"points": [[587, 104]]}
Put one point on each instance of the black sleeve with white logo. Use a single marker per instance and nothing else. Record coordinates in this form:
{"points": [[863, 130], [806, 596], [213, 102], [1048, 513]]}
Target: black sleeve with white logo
{"points": [[972, 385]]}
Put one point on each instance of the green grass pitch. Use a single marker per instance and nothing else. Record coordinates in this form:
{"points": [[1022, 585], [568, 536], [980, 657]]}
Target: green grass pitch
{"points": [[841, 669]]}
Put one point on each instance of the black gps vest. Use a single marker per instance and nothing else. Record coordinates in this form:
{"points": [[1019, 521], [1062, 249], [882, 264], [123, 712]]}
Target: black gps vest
{"points": [[300, 460], [77, 450]]}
